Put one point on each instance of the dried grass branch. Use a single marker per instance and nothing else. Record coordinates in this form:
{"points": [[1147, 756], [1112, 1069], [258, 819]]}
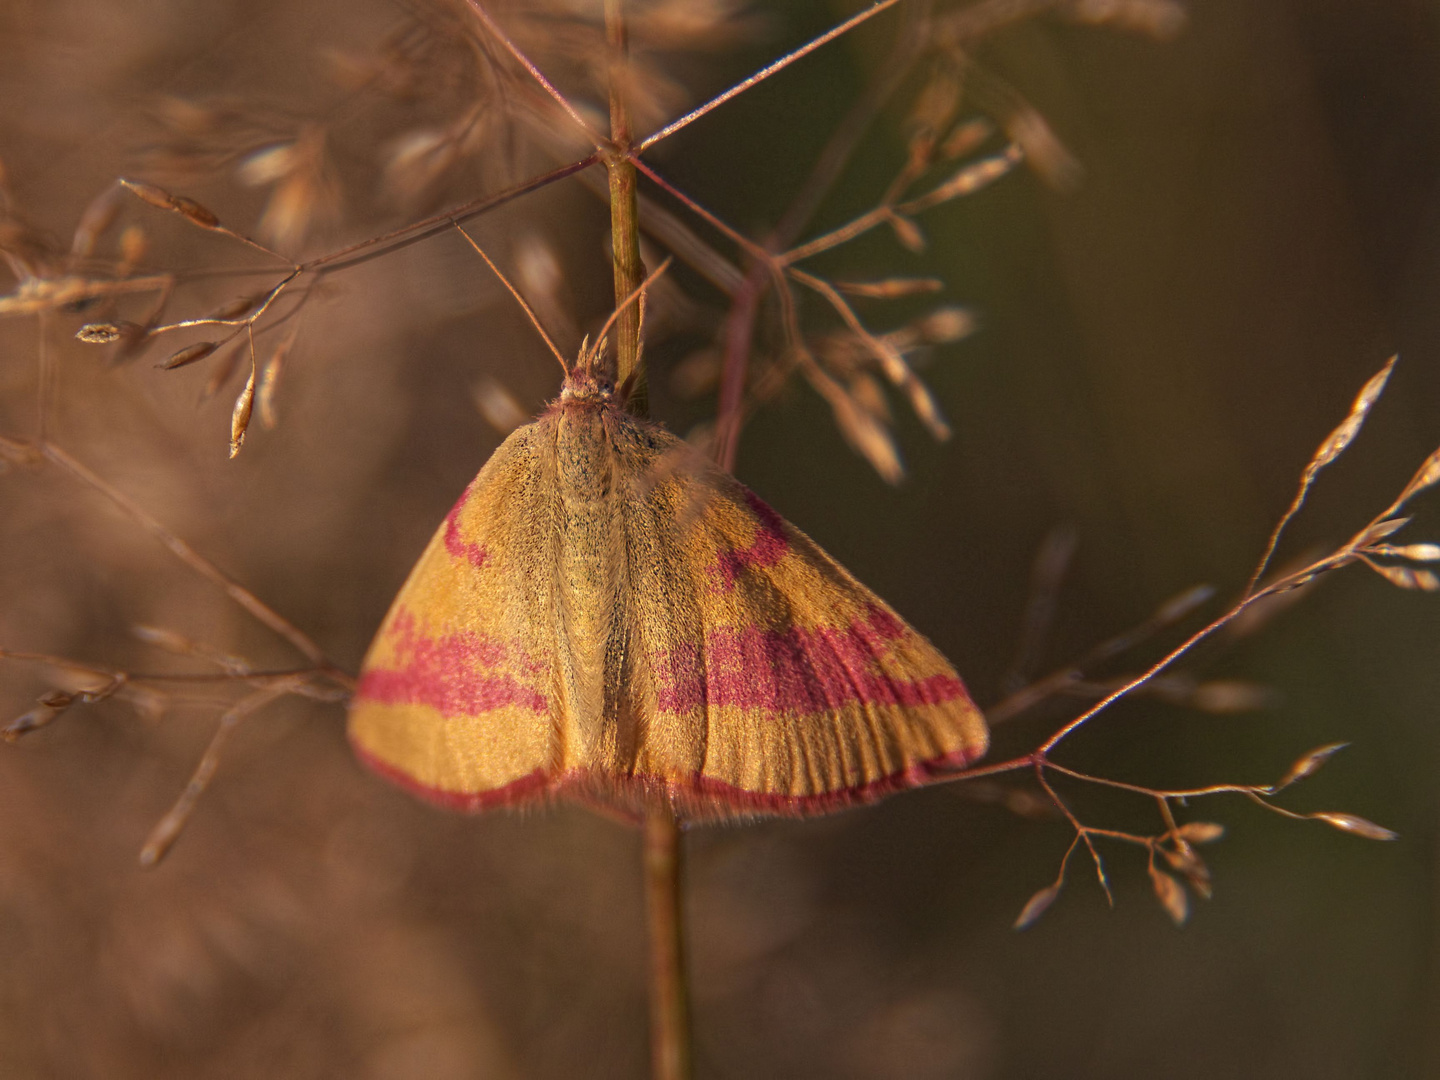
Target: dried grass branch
{"points": [[1365, 547]]}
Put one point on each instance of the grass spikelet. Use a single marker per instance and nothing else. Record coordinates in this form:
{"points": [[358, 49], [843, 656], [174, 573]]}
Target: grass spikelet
{"points": [[240, 415], [188, 355], [1333, 446], [1171, 895], [269, 384]]}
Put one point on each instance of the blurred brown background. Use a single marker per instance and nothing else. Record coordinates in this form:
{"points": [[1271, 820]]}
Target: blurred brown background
{"points": [[1161, 350]]}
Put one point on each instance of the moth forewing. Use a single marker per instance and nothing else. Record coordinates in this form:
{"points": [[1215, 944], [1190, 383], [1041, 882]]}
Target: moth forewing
{"points": [[454, 699]]}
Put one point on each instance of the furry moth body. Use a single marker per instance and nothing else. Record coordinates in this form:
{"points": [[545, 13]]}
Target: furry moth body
{"points": [[606, 615]]}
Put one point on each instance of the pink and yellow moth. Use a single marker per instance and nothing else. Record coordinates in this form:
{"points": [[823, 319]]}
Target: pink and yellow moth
{"points": [[607, 615]]}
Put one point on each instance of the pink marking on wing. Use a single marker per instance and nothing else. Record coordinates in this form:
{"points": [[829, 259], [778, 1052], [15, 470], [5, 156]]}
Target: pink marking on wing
{"points": [[457, 545], [767, 549], [460, 674], [706, 796], [517, 791], [700, 798], [797, 670]]}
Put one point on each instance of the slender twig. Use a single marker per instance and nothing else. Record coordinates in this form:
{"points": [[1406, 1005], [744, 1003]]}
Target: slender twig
{"points": [[529, 311], [669, 1020], [846, 137], [168, 830], [624, 208], [416, 231], [1333, 446], [1083, 832], [241, 322], [765, 72], [1189, 643], [248, 677]]}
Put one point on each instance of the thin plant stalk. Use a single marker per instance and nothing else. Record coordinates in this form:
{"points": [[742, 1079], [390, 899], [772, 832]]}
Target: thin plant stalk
{"points": [[624, 202], [669, 1006]]}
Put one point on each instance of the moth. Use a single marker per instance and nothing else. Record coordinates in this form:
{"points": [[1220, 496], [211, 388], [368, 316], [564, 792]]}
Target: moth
{"points": [[607, 615]]}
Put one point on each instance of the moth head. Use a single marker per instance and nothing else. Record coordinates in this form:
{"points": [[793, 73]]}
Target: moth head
{"points": [[589, 378]]}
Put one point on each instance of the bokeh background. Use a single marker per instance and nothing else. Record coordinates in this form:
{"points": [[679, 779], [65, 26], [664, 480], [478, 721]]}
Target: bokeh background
{"points": [[1160, 350]]}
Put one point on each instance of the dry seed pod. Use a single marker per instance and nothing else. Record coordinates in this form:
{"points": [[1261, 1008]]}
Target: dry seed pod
{"points": [[180, 645], [1407, 578], [165, 639], [1160, 19], [1171, 895], [188, 355], [197, 213], [155, 196], [1036, 906], [417, 160], [907, 232], [868, 436], [1029, 804], [1353, 823], [267, 164], [1309, 764], [498, 406], [1201, 832], [1176, 608], [46, 709], [1185, 861], [95, 221], [184, 116], [1224, 696], [101, 333], [965, 138], [241, 305], [132, 248], [1382, 529], [1416, 552], [270, 379], [301, 195], [240, 417], [934, 107], [925, 407], [1336, 442], [890, 288], [946, 325], [973, 177], [1428, 475], [1043, 150], [866, 391]]}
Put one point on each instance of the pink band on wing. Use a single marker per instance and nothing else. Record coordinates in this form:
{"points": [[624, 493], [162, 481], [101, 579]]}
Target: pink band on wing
{"points": [[457, 545], [768, 547], [797, 670], [456, 674]]}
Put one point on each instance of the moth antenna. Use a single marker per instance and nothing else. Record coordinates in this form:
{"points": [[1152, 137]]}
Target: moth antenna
{"points": [[529, 313], [639, 291], [640, 334]]}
